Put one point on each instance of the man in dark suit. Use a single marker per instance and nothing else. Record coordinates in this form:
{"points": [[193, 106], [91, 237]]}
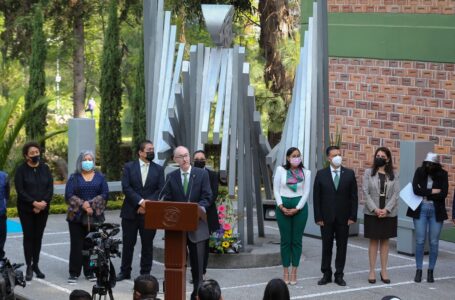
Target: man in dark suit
{"points": [[335, 208], [189, 184], [199, 160], [142, 181]]}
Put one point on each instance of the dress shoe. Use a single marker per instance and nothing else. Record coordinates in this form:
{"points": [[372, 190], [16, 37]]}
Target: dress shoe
{"points": [[430, 277], [121, 276], [72, 279], [38, 272], [372, 281], [324, 280], [29, 273], [387, 281], [340, 281], [418, 277]]}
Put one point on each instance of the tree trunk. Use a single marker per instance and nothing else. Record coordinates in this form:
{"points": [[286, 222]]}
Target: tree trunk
{"points": [[78, 63], [276, 25]]}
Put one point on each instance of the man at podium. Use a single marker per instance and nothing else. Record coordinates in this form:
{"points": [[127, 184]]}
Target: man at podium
{"points": [[189, 184]]}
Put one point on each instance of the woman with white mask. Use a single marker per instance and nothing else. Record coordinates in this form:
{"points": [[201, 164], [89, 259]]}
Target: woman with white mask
{"points": [[291, 188]]}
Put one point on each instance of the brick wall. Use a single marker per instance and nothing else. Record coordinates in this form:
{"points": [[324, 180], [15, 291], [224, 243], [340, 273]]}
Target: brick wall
{"points": [[380, 102], [393, 6]]}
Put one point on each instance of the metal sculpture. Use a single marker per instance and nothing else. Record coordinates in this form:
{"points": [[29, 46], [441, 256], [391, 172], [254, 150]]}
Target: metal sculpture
{"points": [[214, 81]]}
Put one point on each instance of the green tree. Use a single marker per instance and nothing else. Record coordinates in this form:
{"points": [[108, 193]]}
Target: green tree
{"points": [[111, 98], [138, 104], [35, 126]]}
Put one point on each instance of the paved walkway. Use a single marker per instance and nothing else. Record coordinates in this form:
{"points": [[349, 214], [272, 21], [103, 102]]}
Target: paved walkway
{"points": [[249, 283]]}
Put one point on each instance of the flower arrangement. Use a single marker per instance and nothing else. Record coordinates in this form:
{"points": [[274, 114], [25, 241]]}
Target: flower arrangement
{"points": [[224, 240]]}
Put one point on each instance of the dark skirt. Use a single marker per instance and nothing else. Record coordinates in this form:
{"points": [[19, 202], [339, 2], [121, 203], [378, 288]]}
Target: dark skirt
{"points": [[380, 228]]}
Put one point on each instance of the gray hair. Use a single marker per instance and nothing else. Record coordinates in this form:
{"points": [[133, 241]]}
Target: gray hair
{"points": [[80, 158]]}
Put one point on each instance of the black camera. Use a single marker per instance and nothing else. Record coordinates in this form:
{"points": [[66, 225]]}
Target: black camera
{"points": [[101, 247], [9, 278]]}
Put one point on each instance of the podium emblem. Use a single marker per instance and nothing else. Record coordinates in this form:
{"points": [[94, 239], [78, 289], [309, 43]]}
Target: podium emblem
{"points": [[171, 216]]}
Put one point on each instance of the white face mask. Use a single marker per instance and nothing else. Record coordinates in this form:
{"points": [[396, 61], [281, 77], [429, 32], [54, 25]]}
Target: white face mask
{"points": [[337, 160]]}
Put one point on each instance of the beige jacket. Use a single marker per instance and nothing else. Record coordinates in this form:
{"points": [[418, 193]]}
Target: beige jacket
{"points": [[371, 192]]}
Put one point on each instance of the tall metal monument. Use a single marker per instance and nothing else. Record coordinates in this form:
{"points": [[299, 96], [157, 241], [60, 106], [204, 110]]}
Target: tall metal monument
{"points": [[182, 96]]}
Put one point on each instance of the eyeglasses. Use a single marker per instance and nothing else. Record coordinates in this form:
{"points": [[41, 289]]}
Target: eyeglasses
{"points": [[182, 156]]}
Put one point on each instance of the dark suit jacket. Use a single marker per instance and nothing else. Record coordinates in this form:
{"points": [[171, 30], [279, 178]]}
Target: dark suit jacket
{"points": [[212, 213], [198, 192], [332, 205], [133, 189], [419, 185]]}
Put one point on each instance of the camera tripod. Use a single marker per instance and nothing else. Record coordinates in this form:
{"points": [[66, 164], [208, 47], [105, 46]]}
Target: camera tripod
{"points": [[102, 292]]}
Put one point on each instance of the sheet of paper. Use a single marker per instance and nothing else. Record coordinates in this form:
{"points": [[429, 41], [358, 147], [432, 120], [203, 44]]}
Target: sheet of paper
{"points": [[408, 196]]}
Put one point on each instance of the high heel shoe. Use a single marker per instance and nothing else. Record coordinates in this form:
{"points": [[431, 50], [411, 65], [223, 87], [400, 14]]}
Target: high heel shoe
{"points": [[373, 280], [286, 278], [293, 280], [386, 281]]}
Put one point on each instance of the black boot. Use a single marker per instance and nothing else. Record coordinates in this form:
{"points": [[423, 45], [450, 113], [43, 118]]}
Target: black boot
{"points": [[38, 272], [29, 273], [430, 277], [418, 277]]}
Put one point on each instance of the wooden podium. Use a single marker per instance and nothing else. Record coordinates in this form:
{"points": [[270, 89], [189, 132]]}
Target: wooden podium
{"points": [[176, 218]]}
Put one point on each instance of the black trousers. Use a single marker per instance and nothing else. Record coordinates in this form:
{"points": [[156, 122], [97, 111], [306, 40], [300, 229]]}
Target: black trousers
{"points": [[129, 235], [197, 255], [33, 229], [2, 235], [340, 233], [206, 256], [78, 232]]}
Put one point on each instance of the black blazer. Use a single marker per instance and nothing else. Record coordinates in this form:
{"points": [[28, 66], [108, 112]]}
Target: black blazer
{"points": [[212, 213], [419, 185], [198, 192], [133, 189], [33, 184], [332, 205]]}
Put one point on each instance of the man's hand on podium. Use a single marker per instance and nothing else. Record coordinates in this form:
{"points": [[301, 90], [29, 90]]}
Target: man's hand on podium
{"points": [[201, 213], [141, 210]]}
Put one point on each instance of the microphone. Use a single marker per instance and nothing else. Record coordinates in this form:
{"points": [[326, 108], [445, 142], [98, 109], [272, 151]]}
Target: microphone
{"points": [[162, 189], [191, 187]]}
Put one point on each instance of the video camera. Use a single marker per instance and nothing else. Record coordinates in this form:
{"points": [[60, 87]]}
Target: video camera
{"points": [[9, 278], [101, 247]]}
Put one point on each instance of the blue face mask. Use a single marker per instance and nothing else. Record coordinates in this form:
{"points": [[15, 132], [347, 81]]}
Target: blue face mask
{"points": [[87, 165]]}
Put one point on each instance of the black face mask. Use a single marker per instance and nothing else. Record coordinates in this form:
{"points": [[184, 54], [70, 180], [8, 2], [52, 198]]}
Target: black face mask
{"points": [[199, 164], [35, 159], [431, 168], [379, 162], [150, 156]]}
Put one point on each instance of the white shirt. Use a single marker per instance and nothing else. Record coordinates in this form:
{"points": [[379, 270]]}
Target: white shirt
{"points": [[280, 188], [142, 165], [332, 170], [187, 176]]}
